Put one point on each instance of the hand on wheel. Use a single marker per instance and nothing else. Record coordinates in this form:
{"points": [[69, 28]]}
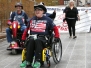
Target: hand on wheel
{"points": [[56, 39], [22, 43]]}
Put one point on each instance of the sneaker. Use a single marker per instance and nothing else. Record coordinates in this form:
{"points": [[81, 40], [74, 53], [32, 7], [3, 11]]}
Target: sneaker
{"points": [[36, 65], [24, 63], [74, 37]]}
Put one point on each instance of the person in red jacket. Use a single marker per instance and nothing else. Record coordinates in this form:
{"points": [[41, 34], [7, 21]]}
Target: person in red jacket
{"points": [[39, 30]]}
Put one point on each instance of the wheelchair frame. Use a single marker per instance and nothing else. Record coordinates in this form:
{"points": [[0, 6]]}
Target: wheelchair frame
{"points": [[49, 52]]}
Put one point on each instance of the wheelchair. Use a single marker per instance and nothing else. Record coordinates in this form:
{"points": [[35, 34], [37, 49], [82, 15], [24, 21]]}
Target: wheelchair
{"points": [[53, 50]]}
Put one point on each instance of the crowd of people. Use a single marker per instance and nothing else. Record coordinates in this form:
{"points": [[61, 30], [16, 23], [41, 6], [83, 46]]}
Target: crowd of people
{"points": [[40, 26]]}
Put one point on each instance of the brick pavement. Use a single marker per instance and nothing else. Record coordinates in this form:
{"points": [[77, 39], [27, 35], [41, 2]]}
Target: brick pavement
{"points": [[76, 53]]}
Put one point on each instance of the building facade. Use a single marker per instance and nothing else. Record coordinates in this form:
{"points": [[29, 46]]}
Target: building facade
{"points": [[6, 6], [77, 2]]}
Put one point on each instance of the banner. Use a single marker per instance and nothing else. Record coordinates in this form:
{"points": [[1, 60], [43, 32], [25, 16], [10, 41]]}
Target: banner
{"points": [[81, 26]]}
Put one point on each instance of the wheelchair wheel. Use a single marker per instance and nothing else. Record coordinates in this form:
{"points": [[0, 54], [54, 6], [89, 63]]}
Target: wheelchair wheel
{"points": [[57, 51]]}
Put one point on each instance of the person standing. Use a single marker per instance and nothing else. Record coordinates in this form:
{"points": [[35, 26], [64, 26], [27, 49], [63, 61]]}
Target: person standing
{"points": [[87, 11], [71, 16]]}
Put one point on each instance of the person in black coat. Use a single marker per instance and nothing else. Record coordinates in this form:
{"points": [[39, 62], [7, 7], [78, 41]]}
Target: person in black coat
{"points": [[71, 16]]}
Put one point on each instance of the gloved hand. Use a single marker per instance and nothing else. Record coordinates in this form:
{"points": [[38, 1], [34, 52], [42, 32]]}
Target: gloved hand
{"points": [[9, 23], [54, 11], [56, 39], [64, 20], [22, 42]]}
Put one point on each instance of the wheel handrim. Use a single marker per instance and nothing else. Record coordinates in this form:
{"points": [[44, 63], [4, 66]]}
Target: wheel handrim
{"points": [[58, 51]]}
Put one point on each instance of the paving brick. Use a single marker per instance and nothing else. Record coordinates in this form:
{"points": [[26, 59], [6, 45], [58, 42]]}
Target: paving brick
{"points": [[76, 53]]}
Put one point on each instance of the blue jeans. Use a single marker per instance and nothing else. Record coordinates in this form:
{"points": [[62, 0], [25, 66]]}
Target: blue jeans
{"points": [[9, 33]]}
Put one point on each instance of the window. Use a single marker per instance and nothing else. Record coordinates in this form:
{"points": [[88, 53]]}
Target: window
{"points": [[66, 2]]}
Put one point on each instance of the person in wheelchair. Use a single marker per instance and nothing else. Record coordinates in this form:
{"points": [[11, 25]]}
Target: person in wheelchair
{"points": [[38, 31]]}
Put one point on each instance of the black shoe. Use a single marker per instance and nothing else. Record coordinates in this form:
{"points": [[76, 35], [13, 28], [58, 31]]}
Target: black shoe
{"points": [[74, 37]]}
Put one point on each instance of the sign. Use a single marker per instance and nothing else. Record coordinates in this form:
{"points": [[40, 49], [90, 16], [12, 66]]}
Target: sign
{"points": [[81, 26]]}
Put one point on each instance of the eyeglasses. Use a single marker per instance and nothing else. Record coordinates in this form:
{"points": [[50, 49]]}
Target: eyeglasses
{"points": [[38, 10]]}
